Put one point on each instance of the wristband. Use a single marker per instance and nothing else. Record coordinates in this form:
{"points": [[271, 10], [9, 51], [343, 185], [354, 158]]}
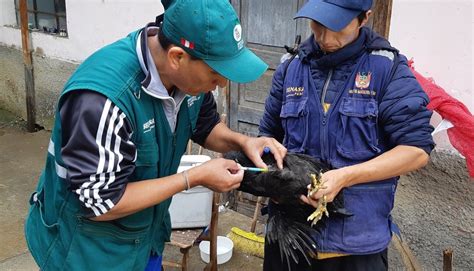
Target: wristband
{"points": [[186, 181]]}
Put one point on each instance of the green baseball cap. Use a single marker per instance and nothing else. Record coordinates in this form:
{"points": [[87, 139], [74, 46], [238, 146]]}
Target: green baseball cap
{"points": [[211, 31]]}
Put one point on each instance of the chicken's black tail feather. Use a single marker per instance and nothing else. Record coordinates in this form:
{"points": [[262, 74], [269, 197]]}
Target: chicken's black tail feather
{"points": [[293, 237]]}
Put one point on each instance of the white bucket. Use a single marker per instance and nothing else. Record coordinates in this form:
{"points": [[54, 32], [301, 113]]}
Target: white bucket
{"points": [[224, 250], [191, 208]]}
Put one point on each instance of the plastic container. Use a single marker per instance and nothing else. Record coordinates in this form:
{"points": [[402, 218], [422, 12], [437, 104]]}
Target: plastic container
{"points": [[191, 208], [225, 247]]}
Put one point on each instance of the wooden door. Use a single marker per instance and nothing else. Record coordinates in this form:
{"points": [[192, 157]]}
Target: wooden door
{"points": [[267, 26]]}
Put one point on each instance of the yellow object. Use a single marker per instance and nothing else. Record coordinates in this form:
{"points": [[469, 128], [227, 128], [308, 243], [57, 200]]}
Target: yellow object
{"points": [[327, 255], [247, 242], [316, 185], [250, 243], [326, 107]]}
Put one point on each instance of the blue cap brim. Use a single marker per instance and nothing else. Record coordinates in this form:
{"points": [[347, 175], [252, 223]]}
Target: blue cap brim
{"points": [[331, 16], [243, 68]]}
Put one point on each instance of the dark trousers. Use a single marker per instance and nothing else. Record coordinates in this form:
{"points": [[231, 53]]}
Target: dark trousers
{"points": [[372, 262]]}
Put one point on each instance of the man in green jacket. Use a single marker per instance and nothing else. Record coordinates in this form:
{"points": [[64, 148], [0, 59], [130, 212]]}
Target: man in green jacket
{"points": [[122, 124]]}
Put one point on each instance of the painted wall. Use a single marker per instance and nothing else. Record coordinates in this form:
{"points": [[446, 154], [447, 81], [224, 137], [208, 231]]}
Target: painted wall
{"points": [[438, 35], [434, 207], [91, 24]]}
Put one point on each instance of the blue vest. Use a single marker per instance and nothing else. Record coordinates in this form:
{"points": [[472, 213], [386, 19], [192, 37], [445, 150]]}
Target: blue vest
{"points": [[347, 134]]}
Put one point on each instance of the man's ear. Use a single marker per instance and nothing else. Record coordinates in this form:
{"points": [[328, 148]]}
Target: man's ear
{"points": [[366, 19], [175, 57]]}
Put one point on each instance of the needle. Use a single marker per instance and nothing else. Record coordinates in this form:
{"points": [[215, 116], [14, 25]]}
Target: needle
{"points": [[255, 169]]}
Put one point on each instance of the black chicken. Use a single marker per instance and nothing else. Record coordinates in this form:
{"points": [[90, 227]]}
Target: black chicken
{"points": [[289, 223]]}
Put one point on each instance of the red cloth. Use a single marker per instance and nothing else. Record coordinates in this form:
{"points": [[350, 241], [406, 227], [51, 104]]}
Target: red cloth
{"points": [[461, 135]]}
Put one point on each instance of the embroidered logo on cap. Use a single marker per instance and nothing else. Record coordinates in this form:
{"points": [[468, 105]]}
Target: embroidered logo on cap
{"points": [[238, 36], [238, 32], [362, 79]]}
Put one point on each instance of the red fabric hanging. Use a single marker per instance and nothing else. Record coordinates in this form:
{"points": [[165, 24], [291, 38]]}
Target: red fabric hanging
{"points": [[461, 135]]}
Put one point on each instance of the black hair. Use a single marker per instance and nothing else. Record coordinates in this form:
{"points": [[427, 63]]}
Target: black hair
{"points": [[166, 43], [361, 16]]}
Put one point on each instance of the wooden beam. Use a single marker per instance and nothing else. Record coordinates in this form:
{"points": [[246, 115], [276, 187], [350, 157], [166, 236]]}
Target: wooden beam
{"points": [[212, 265], [448, 259], [381, 16], [28, 67]]}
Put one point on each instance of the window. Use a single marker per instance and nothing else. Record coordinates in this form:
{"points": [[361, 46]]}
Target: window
{"points": [[48, 16]]}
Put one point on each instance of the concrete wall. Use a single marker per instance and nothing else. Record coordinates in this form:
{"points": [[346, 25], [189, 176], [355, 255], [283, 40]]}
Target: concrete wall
{"points": [[91, 25], [438, 35], [434, 206]]}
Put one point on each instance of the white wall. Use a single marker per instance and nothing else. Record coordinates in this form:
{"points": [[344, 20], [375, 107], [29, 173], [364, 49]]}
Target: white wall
{"points": [[91, 25], [7, 14], [438, 35]]}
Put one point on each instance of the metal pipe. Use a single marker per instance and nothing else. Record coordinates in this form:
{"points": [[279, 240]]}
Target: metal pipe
{"points": [[28, 67]]}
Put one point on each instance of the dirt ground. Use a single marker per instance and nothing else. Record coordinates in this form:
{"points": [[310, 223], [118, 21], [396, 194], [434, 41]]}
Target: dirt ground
{"points": [[22, 157]]}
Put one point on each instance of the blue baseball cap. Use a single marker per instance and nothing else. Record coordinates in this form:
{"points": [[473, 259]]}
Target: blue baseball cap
{"points": [[333, 14]]}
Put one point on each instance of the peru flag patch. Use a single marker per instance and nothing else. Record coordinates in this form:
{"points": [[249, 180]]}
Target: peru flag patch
{"points": [[187, 43]]}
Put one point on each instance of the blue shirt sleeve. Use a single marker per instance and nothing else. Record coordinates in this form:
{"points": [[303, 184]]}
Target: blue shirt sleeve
{"points": [[208, 118], [270, 124], [403, 111]]}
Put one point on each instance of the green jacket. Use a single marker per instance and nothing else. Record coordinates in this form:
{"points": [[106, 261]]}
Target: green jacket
{"points": [[58, 236]]}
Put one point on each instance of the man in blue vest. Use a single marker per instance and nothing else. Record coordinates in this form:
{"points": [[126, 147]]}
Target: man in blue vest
{"points": [[350, 100], [122, 124]]}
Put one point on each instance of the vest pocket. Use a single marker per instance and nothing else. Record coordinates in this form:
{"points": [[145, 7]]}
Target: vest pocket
{"points": [[146, 165], [368, 229], [41, 236], [147, 154], [294, 121], [357, 136], [112, 247]]}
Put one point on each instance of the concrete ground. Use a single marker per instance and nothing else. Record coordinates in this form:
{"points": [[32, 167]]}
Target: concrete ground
{"points": [[22, 157]]}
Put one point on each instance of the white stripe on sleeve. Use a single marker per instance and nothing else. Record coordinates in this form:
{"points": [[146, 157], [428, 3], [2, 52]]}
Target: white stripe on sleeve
{"points": [[108, 141]]}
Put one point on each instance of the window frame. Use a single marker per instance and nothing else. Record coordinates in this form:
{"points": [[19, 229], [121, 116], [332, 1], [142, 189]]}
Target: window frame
{"points": [[34, 12]]}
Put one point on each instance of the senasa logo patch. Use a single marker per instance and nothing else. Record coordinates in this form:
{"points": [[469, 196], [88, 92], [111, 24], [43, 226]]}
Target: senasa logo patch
{"points": [[238, 36], [148, 126], [192, 99], [237, 32], [294, 91]]}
